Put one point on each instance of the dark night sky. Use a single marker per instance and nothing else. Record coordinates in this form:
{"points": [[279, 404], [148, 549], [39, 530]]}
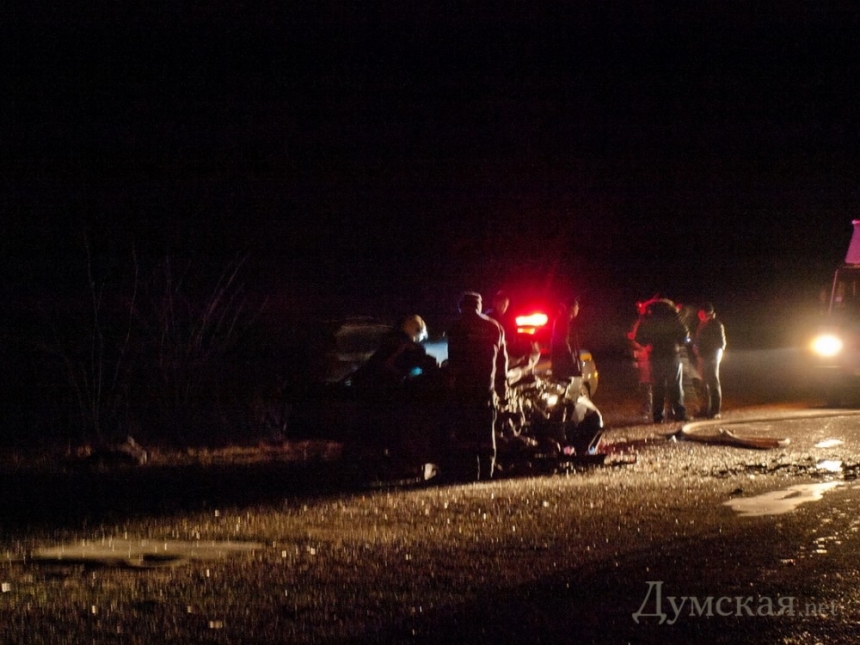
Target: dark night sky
{"points": [[366, 148]]}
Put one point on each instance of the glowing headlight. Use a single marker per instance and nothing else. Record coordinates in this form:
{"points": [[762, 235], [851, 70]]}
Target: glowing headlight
{"points": [[827, 345], [551, 399]]}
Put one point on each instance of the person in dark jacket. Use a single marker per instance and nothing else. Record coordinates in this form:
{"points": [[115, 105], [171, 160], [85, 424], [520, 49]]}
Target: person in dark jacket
{"points": [[523, 355], [642, 360], [564, 346], [709, 345], [477, 365], [664, 334], [399, 356], [388, 420]]}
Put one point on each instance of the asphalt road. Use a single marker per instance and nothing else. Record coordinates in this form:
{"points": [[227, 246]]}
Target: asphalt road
{"points": [[691, 543]]}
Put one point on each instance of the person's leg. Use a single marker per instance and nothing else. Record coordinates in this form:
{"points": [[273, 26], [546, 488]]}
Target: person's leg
{"points": [[712, 383], [455, 464], [676, 391], [486, 439], [647, 397], [658, 374], [472, 455], [646, 379]]}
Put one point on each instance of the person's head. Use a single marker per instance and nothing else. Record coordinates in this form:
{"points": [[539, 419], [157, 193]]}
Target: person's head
{"points": [[644, 306], [663, 308], [470, 301], [706, 311], [501, 302], [414, 327], [569, 308]]}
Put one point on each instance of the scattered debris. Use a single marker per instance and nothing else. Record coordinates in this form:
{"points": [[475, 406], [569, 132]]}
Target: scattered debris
{"points": [[704, 432], [729, 438]]}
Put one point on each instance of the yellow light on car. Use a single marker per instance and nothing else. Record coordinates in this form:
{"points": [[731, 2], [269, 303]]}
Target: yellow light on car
{"points": [[827, 345]]}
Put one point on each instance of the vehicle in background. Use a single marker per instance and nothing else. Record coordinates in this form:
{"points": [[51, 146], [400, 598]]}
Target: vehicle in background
{"points": [[348, 343], [835, 348]]}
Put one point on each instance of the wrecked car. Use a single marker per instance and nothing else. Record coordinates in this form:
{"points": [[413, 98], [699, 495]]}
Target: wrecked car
{"points": [[405, 433]]}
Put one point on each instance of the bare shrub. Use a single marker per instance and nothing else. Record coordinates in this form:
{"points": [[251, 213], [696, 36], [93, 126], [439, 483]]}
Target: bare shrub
{"points": [[154, 356], [191, 334]]}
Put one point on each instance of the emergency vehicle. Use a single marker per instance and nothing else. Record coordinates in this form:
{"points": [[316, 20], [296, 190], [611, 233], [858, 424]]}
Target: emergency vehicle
{"points": [[836, 345]]}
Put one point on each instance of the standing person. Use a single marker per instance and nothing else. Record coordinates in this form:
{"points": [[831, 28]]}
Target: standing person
{"points": [[478, 365], [564, 346], [692, 379], [663, 332], [501, 305], [709, 345], [642, 360], [522, 354]]}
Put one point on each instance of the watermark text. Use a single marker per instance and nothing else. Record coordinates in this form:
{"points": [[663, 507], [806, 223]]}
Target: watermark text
{"points": [[668, 609]]}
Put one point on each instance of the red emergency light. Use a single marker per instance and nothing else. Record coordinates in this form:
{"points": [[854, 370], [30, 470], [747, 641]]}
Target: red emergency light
{"points": [[530, 323]]}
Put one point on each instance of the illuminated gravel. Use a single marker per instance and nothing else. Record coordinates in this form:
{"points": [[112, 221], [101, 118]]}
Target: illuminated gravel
{"points": [[552, 559]]}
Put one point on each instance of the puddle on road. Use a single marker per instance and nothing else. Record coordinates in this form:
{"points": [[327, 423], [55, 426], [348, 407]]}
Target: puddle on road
{"points": [[829, 465], [828, 443], [780, 501], [121, 552]]}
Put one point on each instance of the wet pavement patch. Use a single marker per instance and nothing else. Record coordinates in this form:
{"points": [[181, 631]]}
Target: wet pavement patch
{"points": [[829, 465], [140, 554], [829, 443], [780, 501]]}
